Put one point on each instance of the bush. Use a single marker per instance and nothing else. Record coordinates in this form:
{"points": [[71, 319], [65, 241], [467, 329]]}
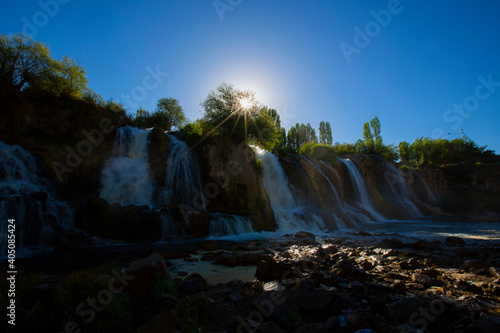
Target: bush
{"points": [[319, 152]]}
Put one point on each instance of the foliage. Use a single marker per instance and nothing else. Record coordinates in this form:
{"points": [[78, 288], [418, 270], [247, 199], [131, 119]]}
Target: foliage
{"points": [[227, 115], [300, 135], [168, 114], [427, 151], [319, 152], [28, 64], [372, 142], [79, 286], [345, 148], [325, 133]]}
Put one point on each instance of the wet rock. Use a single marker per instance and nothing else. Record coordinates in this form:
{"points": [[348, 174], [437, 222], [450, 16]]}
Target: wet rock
{"points": [[304, 234], [227, 259], [364, 233], [426, 280], [235, 296], [453, 240], [130, 223], [415, 285], [270, 270], [424, 245], [344, 269], [321, 253], [141, 277], [193, 284], [475, 267], [392, 243]]}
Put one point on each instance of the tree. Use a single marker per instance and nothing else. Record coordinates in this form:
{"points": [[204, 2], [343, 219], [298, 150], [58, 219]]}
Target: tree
{"points": [[26, 63], [169, 114], [328, 134], [322, 133], [237, 114], [404, 151]]}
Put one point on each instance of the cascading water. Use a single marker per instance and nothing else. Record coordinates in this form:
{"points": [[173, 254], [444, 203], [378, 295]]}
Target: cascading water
{"points": [[183, 178], [400, 192], [229, 225], [30, 200], [126, 179], [288, 212], [363, 199], [169, 228]]}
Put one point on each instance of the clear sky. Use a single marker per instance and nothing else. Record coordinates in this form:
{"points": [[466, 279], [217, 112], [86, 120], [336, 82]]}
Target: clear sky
{"points": [[425, 68]]}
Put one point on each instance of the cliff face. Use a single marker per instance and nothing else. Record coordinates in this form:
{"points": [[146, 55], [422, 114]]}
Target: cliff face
{"points": [[73, 138], [466, 191], [232, 183]]}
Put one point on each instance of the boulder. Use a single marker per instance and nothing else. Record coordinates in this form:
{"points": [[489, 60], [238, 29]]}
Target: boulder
{"points": [[304, 234], [129, 223], [345, 269], [453, 240], [141, 276]]}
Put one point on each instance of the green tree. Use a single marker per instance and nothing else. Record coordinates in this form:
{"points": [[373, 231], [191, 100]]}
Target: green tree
{"points": [[328, 134], [26, 63], [236, 114], [322, 133], [404, 151], [169, 114]]}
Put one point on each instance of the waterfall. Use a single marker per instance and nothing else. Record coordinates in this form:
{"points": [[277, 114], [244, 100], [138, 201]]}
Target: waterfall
{"points": [[228, 225], [126, 179], [183, 178], [169, 228], [30, 200], [397, 186], [362, 197], [289, 214]]}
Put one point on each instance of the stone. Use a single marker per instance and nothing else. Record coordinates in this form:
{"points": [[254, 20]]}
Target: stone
{"points": [[495, 272], [192, 284], [427, 281], [344, 269], [235, 296], [453, 240], [227, 259], [142, 275], [364, 233], [304, 234]]}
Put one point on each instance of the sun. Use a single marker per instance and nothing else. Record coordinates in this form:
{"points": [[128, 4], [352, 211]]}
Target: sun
{"points": [[246, 103]]}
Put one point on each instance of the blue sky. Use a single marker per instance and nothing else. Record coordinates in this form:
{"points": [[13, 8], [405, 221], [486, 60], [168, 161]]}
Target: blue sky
{"points": [[430, 69]]}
